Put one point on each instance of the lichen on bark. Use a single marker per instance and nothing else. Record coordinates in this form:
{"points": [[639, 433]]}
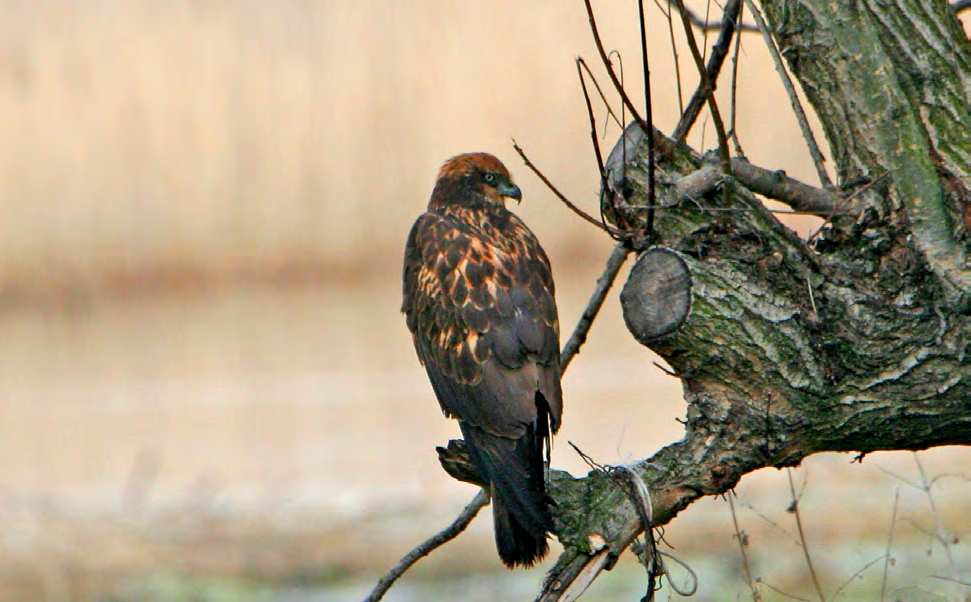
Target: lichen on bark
{"points": [[857, 341]]}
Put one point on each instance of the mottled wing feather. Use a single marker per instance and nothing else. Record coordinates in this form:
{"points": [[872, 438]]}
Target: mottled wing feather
{"points": [[484, 321]]}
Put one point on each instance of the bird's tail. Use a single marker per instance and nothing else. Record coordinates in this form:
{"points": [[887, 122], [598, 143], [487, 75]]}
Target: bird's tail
{"points": [[520, 506]]}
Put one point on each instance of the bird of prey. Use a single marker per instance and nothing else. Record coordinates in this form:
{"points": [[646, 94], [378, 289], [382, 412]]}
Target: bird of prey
{"points": [[478, 299]]}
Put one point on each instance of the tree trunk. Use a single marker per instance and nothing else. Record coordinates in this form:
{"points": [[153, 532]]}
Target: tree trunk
{"points": [[856, 341]]}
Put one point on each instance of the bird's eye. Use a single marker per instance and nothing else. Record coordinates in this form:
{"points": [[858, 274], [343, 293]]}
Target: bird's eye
{"points": [[490, 178]]}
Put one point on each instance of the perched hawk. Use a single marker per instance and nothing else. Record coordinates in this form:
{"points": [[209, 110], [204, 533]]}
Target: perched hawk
{"points": [[478, 297]]}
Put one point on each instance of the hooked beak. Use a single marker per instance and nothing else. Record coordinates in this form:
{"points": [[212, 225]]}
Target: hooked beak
{"points": [[510, 190]]}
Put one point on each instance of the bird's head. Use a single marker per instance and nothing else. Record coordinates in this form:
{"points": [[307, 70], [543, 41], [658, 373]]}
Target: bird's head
{"points": [[481, 173]]}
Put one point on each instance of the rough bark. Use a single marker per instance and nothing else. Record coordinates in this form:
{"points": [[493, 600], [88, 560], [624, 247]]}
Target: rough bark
{"points": [[855, 342]]}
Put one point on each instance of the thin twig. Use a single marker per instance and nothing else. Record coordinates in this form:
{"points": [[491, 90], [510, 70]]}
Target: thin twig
{"points": [[950, 475], [812, 301], [779, 591], [608, 229], [898, 477], [807, 132], [855, 575], [771, 522], [706, 87], [966, 583], [666, 371], [756, 596], [802, 538], [941, 533], [590, 462], [886, 564], [480, 500], [596, 85], [621, 220], [738, 46], [593, 128], [610, 70], [648, 114], [706, 26], [674, 51], [606, 280]]}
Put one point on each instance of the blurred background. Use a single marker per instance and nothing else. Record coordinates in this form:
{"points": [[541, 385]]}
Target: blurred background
{"points": [[207, 391]]}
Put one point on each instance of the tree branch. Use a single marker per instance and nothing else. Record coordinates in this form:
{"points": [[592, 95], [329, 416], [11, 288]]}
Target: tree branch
{"points": [[580, 212], [606, 280], [771, 374], [718, 53], [460, 523], [778, 186], [706, 87], [807, 132], [775, 185], [908, 117], [610, 70], [707, 26]]}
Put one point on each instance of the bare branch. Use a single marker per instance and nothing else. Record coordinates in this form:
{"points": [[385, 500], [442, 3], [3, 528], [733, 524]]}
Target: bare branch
{"points": [[705, 25], [648, 112], [610, 70], [596, 85], [738, 46], [771, 522], [782, 593], [715, 62], [586, 216], [606, 280], [942, 534], [480, 500], [593, 125], [802, 538], [674, 51], [807, 133], [742, 544], [570, 583], [860, 572], [843, 202], [706, 88], [886, 555], [778, 186], [952, 580]]}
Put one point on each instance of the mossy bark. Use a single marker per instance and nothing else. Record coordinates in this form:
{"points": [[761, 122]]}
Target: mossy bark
{"points": [[857, 341]]}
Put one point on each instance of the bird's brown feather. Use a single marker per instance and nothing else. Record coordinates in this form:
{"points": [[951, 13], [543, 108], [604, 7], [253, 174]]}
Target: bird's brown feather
{"points": [[479, 295], [479, 301]]}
